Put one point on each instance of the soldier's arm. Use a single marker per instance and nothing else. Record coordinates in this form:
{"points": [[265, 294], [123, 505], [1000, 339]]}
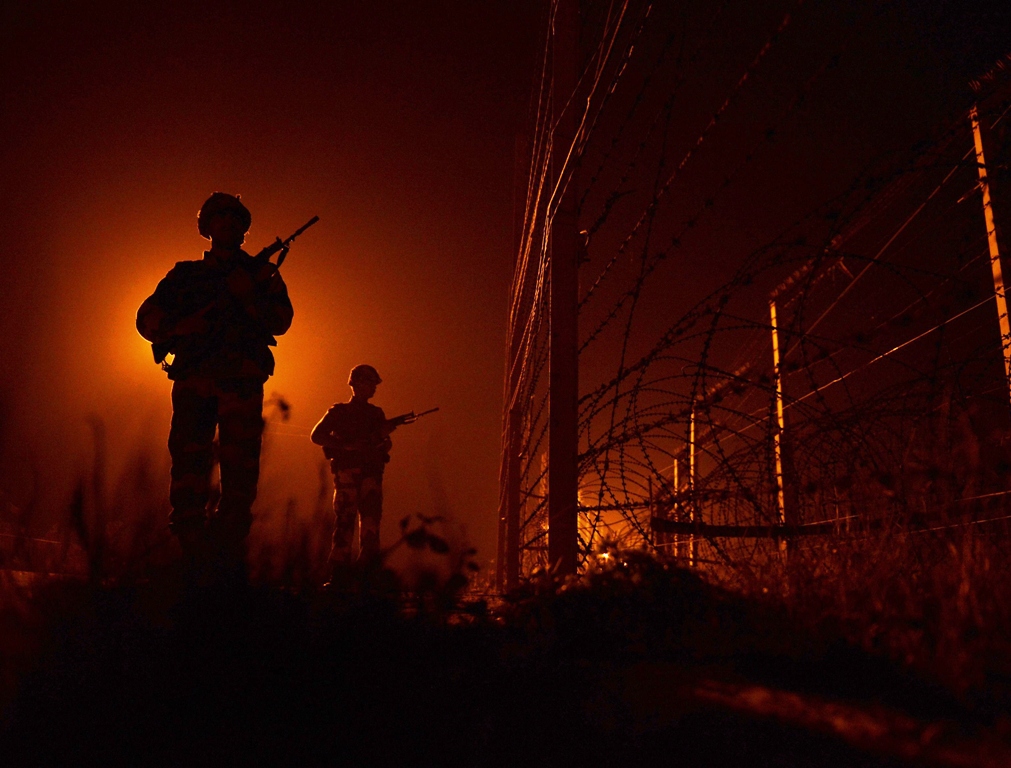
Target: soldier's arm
{"points": [[385, 443], [274, 306], [158, 319], [322, 433], [326, 434], [152, 322]]}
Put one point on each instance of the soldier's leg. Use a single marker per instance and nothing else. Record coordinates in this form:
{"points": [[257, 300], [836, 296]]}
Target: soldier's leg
{"points": [[240, 432], [345, 508], [370, 507], [194, 416]]}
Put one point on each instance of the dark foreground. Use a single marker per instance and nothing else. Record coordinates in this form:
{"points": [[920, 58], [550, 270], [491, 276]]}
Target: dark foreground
{"points": [[632, 666]]}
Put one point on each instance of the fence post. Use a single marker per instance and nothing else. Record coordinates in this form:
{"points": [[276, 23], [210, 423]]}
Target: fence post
{"points": [[777, 432], [693, 544], [991, 236], [563, 469]]}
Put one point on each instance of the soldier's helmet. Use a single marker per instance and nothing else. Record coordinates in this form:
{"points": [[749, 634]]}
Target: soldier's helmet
{"points": [[362, 374], [222, 201]]}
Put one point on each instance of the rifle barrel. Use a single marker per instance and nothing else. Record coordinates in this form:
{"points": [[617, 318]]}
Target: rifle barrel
{"points": [[302, 229], [287, 243]]}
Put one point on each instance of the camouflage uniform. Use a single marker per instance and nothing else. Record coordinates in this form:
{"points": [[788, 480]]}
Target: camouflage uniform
{"points": [[357, 468], [218, 380]]}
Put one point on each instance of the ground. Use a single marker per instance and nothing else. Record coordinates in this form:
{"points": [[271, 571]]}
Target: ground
{"points": [[625, 666]]}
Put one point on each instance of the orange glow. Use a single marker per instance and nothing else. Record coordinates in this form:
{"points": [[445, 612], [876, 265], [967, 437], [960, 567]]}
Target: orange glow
{"points": [[115, 148]]}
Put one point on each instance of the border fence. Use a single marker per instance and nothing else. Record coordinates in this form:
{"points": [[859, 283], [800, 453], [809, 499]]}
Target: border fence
{"points": [[721, 406]]}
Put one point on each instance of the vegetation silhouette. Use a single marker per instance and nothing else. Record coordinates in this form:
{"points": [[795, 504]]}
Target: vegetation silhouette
{"points": [[123, 660]]}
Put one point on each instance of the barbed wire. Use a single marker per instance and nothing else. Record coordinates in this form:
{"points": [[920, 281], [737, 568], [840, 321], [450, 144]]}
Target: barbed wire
{"points": [[885, 415]]}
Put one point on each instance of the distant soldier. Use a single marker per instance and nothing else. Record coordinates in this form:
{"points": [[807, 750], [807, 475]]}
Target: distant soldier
{"points": [[219, 317], [356, 438]]}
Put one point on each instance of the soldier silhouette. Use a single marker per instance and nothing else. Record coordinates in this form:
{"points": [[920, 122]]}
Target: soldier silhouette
{"points": [[356, 438], [218, 316]]}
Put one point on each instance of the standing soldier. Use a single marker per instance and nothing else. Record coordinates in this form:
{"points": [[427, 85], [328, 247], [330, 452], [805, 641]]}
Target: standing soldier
{"points": [[356, 438], [219, 317]]}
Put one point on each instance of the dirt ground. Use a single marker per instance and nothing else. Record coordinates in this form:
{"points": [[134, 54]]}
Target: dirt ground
{"points": [[622, 671]]}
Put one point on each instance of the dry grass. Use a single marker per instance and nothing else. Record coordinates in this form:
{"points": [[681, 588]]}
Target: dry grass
{"points": [[937, 602], [920, 619]]}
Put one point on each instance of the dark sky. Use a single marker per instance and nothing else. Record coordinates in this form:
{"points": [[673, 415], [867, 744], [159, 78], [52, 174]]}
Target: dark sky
{"points": [[395, 122]]}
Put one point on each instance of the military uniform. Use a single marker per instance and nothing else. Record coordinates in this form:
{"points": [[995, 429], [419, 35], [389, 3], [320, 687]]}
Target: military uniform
{"points": [[218, 377], [359, 449]]}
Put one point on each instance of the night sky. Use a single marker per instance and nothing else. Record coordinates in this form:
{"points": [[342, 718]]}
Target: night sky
{"points": [[396, 124]]}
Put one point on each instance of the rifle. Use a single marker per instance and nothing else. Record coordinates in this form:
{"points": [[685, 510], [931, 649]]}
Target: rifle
{"points": [[388, 427], [407, 418], [163, 349], [282, 245]]}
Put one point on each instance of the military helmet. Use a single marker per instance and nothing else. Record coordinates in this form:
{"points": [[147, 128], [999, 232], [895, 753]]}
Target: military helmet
{"points": [[222, 201], [361, 374]]}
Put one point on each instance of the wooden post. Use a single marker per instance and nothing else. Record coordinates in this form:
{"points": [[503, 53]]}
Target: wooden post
{"points": [[652, 510], [563, 474], [991, 236], [677, 513], [693, 545], [780, 425], [777, 432]]}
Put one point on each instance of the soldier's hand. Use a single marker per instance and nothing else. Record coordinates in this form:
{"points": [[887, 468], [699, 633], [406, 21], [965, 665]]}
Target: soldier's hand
{"points": [[265, 272], [240, 284]]}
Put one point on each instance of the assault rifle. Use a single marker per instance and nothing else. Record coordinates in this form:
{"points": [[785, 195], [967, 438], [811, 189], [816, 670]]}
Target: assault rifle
{"points": [[406, 418], [388, 427], [282, 245], [162, 349]]}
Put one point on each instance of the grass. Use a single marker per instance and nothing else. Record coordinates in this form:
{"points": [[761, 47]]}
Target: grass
{"points": [[157, 673], [122, 660], [937, 603]]}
